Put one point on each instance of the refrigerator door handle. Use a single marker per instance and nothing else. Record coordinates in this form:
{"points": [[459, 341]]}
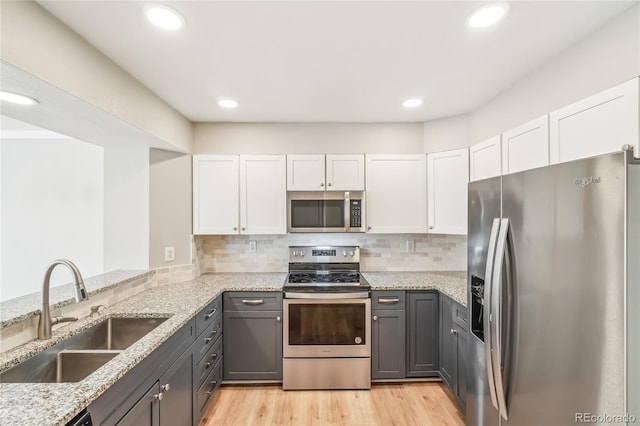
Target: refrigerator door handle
{"points": [[487, 321], [499, 364]]}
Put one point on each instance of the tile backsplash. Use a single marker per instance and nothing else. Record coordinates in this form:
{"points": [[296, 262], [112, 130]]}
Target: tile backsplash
{"points": [[230, 253]]}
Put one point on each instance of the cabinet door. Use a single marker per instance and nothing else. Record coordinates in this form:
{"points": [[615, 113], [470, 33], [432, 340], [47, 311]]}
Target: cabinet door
{"points": [[526, 147], [345, 172], [448, 359], [422, 345], [146, 411], [176, 385], [252, 345], [447, 180], [305, 173], [263, 194], [388, 344], [215, 194], [485, 159], [597, 125], [461, 336], [396, 194]]}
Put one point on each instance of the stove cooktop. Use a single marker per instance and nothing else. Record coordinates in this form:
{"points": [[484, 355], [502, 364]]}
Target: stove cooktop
{"points": [[326, 281]]}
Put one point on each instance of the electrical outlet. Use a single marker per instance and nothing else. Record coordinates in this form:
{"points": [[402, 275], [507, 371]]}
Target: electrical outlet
{"points": [[410, 246], [169, 254], [253, 246]]}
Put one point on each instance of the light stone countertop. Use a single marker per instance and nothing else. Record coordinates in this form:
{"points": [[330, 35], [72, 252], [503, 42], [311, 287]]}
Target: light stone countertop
{"points": [[57, 403], [15, 310], [450, 283]]}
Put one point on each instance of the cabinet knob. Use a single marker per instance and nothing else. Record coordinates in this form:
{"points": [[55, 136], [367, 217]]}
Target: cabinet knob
{"points": [[244, 229], [158, 396], [321, 184], [329, 184], [375, 318], [208, 339], [165, 387], [278, 319], [431, 227], [453, 331], [369, 228], [235, 228]]}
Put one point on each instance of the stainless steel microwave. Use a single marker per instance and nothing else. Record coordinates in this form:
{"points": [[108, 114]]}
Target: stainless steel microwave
{"points": [[325, 211]]}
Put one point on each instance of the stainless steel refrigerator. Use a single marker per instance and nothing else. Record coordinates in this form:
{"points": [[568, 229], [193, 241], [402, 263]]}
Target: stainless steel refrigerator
{"points": [[554, 295]]}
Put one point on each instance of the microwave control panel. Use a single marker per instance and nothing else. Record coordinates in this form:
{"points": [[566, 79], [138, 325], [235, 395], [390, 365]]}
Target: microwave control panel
{"points": [[356, 213]]}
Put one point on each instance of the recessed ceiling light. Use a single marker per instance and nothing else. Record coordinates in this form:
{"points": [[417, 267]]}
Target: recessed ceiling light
{"points": [[164, 17], [412, 103], [15, 98], [228, 103], [488, 14]]}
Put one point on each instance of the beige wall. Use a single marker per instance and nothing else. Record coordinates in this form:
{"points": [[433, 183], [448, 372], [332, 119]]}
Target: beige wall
{"points": [[36, 42], [447, 133], [169, 207], [308, 138]]}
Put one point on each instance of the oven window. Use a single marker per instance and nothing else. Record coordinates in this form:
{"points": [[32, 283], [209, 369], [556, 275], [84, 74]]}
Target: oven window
{"points": [[327, 324], [306, 214]]}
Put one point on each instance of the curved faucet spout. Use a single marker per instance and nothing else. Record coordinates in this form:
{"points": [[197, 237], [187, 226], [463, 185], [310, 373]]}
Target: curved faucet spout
{"points": [[45, 322]]}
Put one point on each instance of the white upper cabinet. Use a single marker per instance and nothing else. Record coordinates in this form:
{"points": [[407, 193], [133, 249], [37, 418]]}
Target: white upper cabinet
{"points": [[485, 159], [263, 194], [526, 147], [600, 124], [330, 173], [215, 194], [305, 173], [345, 172], [396, 193], [243, 194], [447, 180]]}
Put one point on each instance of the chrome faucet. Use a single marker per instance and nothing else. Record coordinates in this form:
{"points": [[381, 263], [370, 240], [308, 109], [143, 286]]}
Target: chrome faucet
{"points": [[46, 322]]}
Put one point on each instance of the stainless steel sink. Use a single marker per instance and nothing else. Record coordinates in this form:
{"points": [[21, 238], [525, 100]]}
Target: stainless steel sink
{"points": [[78, 356]]}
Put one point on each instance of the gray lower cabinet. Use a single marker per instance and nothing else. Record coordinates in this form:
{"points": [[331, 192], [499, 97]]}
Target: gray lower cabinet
{"points": [[388, 335], [172, 386], [252, 336], [422, 334], [453, 347]]}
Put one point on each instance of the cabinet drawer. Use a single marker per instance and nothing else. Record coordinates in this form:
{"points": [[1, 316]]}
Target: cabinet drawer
{"points": [[207, 389], [460, 315], [253, 301], [393, 300], [206, 316], [208, 361], [208, 338]]}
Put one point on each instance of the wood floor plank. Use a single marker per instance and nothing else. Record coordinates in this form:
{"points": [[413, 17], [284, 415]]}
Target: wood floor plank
{"points": [[405, 404]]}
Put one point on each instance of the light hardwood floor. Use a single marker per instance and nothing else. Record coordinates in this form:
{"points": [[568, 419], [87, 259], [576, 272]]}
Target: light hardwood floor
{"points": [[422, 404]]}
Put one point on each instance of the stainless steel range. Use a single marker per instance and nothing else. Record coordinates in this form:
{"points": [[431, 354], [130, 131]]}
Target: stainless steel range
{"points": [[327, 320]]}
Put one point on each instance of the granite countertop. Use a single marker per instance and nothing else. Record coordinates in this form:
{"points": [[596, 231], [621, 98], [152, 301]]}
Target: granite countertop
{"points": [[15, 310], [450, 283], [57, 403]]}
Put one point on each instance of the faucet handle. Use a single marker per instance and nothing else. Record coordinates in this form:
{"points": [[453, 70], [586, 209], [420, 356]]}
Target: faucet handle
{"points": [[58, 320]]}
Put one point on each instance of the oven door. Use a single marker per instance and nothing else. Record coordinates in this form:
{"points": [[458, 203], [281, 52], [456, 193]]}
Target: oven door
{"points": [[327, 327]]}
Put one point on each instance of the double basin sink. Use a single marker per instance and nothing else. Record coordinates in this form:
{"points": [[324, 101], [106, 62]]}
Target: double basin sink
{"points": [[75, 358]]}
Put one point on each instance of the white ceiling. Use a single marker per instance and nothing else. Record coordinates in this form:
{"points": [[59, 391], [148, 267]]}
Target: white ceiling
{"points": [[331, 60]]}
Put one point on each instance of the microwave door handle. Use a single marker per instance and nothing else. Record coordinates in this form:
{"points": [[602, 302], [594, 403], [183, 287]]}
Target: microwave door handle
{"points": [[347, 212]]}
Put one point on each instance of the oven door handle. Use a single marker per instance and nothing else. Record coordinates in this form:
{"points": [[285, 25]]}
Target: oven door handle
{"points": [[299, 295], [347, 212]]}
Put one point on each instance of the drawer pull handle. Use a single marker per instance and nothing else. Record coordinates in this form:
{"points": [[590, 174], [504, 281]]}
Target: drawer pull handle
{"points": [[214, 355], [165, 388], [208, 339], [210, 314], [389, 301], [213, 383], [158, 396], [253, 301], [207, 365], [453, 331]]}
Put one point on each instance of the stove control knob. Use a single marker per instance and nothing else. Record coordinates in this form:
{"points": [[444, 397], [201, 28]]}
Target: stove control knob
{"points": [[351, 253], [302, 253], [344, 253], [295, 253]]}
